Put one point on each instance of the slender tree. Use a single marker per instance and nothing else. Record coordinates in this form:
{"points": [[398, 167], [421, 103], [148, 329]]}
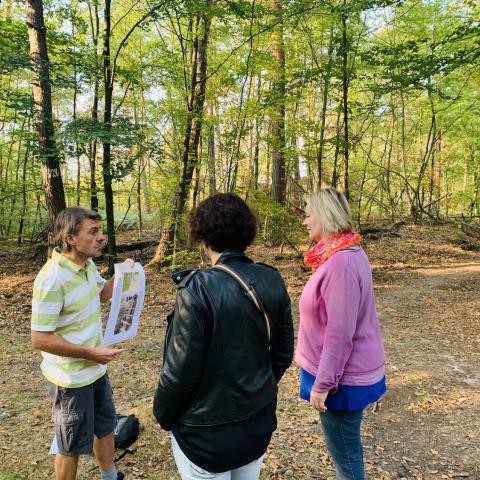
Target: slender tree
{"points": [[345, 87], [107, 147], [95, 32], [279, 177], [42, 95], [193, 127]]}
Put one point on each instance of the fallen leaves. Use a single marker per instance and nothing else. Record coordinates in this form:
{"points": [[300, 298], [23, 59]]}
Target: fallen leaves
{"points": [[426, 428]]}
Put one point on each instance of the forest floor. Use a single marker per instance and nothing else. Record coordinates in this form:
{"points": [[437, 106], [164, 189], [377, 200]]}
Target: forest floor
{"points": [[426, 427]]}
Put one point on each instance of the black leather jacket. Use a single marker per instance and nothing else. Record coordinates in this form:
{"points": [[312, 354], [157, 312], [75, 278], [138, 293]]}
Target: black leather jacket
{"points": [[217, 367]]}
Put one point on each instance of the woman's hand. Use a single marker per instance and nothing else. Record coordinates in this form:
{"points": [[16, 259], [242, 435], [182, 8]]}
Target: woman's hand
{"points": [[317, 400]]}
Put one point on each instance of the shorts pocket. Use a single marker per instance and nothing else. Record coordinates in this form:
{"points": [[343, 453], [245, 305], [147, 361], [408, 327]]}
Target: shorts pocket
{"points": [[70, 432], [62, 417]]}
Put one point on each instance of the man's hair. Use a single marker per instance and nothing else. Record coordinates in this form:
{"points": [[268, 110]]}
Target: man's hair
{"points": [[331, 208], [223, 222], [68, 222]]}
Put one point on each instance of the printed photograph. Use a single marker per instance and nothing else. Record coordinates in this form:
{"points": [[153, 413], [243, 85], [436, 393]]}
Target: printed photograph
{"points": [[125, 315]]}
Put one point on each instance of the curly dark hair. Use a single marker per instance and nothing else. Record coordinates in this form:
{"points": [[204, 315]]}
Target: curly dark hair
{"points": [[223, 222]]}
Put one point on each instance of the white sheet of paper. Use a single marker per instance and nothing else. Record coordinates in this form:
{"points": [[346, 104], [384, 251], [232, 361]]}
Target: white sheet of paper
{"points": [[53, 447], [127, 302]]}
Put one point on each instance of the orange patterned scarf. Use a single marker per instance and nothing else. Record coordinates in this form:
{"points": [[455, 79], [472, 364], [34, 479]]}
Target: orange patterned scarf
{"points": [[324, 249]]}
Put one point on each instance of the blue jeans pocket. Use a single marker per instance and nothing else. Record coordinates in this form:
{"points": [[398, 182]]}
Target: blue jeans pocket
{"points": [[200, 473]]}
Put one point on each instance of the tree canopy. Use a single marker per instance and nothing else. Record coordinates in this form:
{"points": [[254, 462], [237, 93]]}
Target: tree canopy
{"points": [[157, 104]]}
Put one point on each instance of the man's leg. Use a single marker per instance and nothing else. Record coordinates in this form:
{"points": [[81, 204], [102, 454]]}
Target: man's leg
{"points": [[105, 422], [65, 467], [72, 415], [104, 449]]}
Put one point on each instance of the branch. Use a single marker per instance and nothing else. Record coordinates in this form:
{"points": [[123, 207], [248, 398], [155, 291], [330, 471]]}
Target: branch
{"points": [[122, 100], [127, 36], [262, 30], [10, 195], [126, 14]]}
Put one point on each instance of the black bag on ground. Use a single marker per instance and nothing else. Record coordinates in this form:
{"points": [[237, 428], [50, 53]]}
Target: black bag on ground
{"points": [[126, 431]]}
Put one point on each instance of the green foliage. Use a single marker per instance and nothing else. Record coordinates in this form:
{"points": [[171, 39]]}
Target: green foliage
{"points": [[8, 475], [412, 77], [17, 101], [13, 47], [182, 258], [121, 132], [278, 226]]}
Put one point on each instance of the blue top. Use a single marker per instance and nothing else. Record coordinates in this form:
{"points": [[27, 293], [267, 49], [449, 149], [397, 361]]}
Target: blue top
{"points": [[347, 397]]}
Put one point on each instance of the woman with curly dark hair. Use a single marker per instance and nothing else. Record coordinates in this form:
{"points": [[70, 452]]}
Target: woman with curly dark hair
{"points": [[229, 340]]}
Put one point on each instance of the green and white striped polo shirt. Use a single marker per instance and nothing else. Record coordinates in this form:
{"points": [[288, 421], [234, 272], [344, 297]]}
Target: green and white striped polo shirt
{"points": [[66, 301]]}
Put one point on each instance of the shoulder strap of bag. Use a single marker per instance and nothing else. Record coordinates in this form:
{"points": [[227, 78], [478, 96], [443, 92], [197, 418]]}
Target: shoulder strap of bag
{"points": [[252, 295]]}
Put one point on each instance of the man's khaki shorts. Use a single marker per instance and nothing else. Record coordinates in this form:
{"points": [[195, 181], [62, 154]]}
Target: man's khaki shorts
{"points": [[80, 413]]}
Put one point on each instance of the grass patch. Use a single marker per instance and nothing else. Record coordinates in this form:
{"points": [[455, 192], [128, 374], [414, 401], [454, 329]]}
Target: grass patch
{"points": [[8, 476]]}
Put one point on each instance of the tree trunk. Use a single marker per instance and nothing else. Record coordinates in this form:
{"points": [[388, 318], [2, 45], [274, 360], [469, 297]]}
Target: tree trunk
{"points": [[279, 178], [139, 199], [345, 85], [95, 27], [256, 155], [417, 206], [5, 179], [77, 149], [140, 166], [335, 173], [196, 185], [474, 200], [42, 96], [21, 223], [144, 160], [212, 184], [107, 157], [194, 124], [13, 202], [192, 133], [323, 118], [476, 192], [438, 175]]}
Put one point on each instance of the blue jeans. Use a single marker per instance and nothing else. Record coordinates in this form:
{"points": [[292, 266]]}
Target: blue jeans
{"points": [[342, 436]]}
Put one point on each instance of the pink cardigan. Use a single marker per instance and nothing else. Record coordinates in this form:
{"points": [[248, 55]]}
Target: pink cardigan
{"points": [[339, 338]]}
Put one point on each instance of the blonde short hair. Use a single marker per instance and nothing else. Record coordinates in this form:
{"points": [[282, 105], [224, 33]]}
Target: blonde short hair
{"points": [[331, 208], [68, 222]]}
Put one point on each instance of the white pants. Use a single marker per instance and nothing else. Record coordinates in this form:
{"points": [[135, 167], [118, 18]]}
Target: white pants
{"points": [[190, 471]]}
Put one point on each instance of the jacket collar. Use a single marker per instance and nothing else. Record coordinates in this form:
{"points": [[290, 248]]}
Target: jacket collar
{"points": [[228, 255]]}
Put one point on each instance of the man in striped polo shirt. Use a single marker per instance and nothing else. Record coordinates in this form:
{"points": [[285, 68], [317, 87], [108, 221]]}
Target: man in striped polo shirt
{"points": [[67, 328]]}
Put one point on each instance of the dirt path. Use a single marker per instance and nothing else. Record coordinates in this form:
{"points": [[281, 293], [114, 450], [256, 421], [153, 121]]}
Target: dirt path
{"points": [[431, 318], [427, 426]]}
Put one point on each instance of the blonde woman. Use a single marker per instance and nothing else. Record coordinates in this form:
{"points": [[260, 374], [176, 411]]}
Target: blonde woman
{"points": [[340, 348]]}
